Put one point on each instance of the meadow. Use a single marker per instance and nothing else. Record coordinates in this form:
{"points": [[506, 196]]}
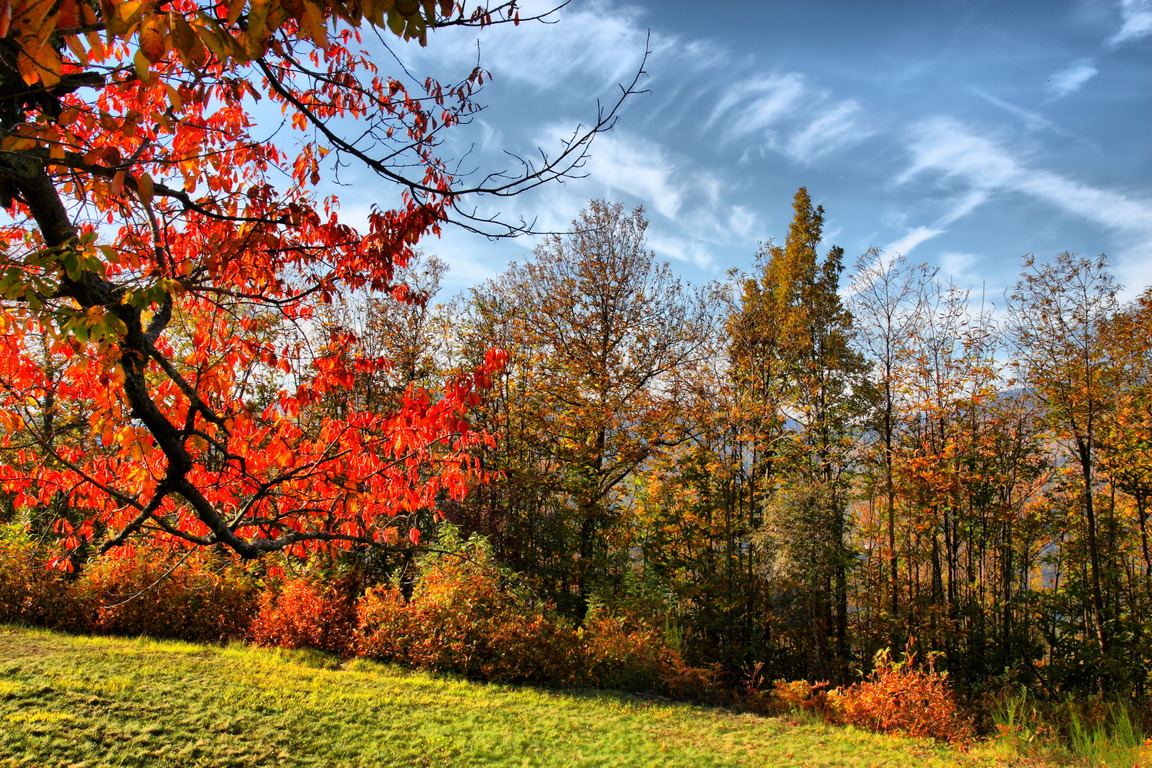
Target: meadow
{"points": [[82, 701]]}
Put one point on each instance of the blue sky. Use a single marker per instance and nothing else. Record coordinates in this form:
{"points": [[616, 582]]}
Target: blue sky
{"points": [[963, 134]]}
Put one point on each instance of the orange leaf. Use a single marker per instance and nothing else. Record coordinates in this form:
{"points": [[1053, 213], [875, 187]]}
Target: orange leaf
{"points": [[154, 38]]}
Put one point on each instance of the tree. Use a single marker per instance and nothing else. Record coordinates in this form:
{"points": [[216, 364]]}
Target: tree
{"points": [[803, 385], [1059, 317], [888, 304], [601, 338], [1126, 442], [158, 248]]}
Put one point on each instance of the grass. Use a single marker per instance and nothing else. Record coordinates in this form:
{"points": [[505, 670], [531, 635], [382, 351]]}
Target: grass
{"points": [[1089, 733], [78, 701]]}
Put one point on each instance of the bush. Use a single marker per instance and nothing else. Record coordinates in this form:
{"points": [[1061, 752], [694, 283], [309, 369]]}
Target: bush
{"points": [[468, 616], [305, 614], [30, 592], [621, 652], [901, 697], [195, 596]]}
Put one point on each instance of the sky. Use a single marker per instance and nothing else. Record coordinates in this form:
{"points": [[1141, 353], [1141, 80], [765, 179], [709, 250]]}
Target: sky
{"points": [[960, 133]]}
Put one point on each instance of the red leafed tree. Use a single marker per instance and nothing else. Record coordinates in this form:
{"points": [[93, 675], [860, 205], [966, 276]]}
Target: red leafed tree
{"points": [[161, 261]]}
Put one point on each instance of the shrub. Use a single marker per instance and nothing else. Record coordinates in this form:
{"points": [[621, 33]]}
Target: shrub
{"points": [[468, 616], [305, 614], [902, 697], [683, 681], [30, 592], [153, 591], [621, 651]]}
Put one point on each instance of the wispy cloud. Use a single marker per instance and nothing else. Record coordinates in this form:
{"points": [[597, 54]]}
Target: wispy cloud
{"points": [[602, 43], [954, 151], [636, 166], [908, 242], [1033, 121], [834, 129], [960, 267], [793, 117], [1071, 79], [756, 103], [742, 222], [679, 249], [1136, 21], [947, 146]]}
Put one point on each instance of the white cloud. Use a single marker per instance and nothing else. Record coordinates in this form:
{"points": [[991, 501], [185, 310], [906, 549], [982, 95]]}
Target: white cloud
{"points": [[834, 129], [959, 267], [945, 145], [1071, 79], [964, 205], [906, 244], [756, 103], [742, 222], [1136, 21], [795, 119], [638, 167], [1033, 121], [594, 41], [955, 152], [679, 249]]}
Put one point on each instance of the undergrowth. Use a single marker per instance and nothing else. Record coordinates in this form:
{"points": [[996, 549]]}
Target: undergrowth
{"points": [[461, 612]]}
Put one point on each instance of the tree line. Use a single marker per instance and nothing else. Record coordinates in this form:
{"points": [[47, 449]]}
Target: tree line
{"points": [[797, 468]]}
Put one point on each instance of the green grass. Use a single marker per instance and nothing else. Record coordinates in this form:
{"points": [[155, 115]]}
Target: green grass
{"points": [[78, 701]]}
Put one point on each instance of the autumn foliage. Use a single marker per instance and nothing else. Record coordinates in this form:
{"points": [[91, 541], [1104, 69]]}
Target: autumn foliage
{"points": [[902, 696], [468, 615], [303, 613], [161, 369]]}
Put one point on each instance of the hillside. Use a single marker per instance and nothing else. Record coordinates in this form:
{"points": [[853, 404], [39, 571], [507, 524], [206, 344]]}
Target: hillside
{"points": [[77, 701]]}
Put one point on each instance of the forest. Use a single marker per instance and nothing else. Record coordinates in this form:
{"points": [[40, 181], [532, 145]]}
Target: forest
{"points": [[226, 412], [799, 468]]}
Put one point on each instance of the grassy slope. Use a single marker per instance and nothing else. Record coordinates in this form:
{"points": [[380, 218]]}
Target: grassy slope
{"points": [[72, 701]]}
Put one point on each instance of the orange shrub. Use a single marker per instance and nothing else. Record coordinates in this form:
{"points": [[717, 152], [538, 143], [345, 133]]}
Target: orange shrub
{"points": [[682, 681], [30, 592], [304, 614], [162, 593], [467, 616], [621, 652], [902, 697]]}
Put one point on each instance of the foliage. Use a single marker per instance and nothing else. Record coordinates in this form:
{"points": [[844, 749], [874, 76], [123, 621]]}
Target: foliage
{"points": [[601, 339], [622, 653], [162, 262], [306, 614], [902, 697], [29, 592], [467, 615], [198, 596], [1060, 323]]}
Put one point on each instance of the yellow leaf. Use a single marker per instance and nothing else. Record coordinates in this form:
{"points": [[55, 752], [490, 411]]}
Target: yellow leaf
{"points": [[235, 8], [118, 183], [183, 37], [145, 188], [77, 48], [39, 64], [143, 67], [314, 19], [257, 27], [124, 15], [174, 98]]}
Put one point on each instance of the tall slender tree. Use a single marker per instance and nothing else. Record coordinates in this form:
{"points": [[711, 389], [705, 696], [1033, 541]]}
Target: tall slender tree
{"points": [[602, 338], [1059, 318]]}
